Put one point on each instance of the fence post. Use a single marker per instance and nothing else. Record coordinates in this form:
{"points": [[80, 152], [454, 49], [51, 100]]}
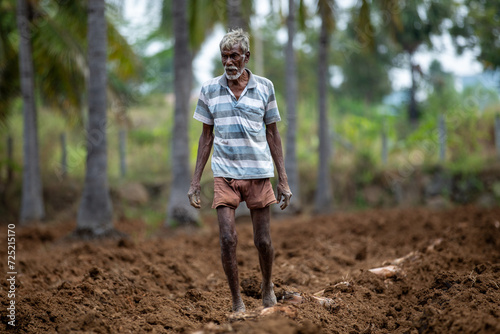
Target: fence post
{"points": [[64, 155], [385, 152], [442, 138], [123, 151], [497, 134]]}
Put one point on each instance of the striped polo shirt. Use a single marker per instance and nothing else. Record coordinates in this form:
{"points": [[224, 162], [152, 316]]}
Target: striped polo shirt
{"points": [[240, 145]]}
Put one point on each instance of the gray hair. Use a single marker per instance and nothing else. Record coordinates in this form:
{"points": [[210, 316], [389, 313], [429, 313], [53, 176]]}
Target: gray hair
{"points": [[235, 37]]}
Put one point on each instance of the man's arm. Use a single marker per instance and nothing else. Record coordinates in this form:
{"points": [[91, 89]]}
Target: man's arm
{"points": [[274, 141], [204, 148]]}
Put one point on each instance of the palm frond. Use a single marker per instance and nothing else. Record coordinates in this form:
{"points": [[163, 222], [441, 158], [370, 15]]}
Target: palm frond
{"points": [[166, 27], [302, 15], [364, 27], [203, 16], [327, 11], [124, 62], [59, 57], [391, 7]]}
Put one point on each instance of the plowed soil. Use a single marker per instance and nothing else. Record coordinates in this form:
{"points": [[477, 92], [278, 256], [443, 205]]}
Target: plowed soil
{"points": [[447, 278]]}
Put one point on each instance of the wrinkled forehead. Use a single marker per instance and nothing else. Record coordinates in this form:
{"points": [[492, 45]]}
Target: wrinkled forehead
{"points": [[235, 48]]}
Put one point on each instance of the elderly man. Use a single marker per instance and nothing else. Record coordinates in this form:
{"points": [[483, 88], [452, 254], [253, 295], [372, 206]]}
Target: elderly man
{"points": [[239, 115]]}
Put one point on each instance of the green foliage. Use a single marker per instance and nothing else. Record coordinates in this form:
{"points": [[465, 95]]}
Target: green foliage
{"points": [[152, 217], [143, 136], [467, 164], [367, 57], [443, 98], [364, 167], [159, 73], [274, 64], [476, 25], [419, 21], [203, 15], [58, 34], [357, 142], [326, 10], [5, 162], [9, 59], [365, 78], [362, 51]]}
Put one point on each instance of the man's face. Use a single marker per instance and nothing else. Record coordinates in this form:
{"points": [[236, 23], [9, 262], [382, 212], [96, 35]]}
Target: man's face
{"points": [[234, 62]]}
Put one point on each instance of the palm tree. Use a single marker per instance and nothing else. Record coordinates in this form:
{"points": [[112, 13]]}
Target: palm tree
{"points": [[95, 211], [32, 200], [238, 14], [291, 102], [412, 27], [323, 197], [179, 211], [188, 30], [57, 43]]}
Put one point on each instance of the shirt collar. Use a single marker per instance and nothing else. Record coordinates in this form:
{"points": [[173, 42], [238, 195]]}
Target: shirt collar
{"points": [[252, 83]]}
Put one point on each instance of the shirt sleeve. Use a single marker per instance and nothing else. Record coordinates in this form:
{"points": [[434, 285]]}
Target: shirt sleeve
{"points": [[272, 114], [202, 113]]}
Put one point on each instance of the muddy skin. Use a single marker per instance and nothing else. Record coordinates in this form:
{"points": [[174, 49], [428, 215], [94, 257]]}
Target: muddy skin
{"points": [[262, 240], [228, 241]]}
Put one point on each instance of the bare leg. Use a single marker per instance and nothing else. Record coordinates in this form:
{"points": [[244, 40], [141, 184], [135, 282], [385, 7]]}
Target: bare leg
{"points": [[262, 240], [228, 241]]}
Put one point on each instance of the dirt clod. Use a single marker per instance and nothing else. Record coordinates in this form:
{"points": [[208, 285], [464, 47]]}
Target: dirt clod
{"points": [[174, 283]]}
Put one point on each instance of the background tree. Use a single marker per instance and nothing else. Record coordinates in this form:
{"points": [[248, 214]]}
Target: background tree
{"points": [[365, 77], [477, 23], [323, 197], [238, 14], [95, 213], [57, 42], [58, 32], [192, 22], [442, 96], [366, 64], [417, 22], [291, 103], [179, 210], [31, 200], [159, 74]]}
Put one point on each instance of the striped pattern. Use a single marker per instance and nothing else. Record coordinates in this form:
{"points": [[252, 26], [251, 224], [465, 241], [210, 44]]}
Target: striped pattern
{"points": [[240, 145]]}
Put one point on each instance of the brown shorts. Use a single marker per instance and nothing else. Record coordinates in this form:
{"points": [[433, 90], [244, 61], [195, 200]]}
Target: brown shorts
{"points": [[257, 193]]}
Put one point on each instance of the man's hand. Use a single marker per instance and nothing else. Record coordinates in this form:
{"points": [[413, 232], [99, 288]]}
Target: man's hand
{"points": [[284, 191], [194, 195]]}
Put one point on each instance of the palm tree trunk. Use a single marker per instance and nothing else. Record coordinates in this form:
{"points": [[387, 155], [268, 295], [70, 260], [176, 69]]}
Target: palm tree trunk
{"points": [[291, 102], [323, 199], [95, 212], [179, 211], [32, 200], [234, 15]]}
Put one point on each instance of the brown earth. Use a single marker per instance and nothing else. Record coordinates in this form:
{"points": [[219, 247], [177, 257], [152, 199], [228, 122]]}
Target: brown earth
{"points": [[172, 281]]}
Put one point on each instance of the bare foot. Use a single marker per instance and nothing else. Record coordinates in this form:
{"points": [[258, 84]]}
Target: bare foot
{"points": [[239, 307], [268, 296]]}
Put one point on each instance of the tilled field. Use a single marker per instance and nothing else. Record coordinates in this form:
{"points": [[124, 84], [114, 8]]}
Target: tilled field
{"points": [[443, 277]]}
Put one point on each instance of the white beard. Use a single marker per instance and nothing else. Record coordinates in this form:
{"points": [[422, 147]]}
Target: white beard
{"points": [[234, 76]]}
